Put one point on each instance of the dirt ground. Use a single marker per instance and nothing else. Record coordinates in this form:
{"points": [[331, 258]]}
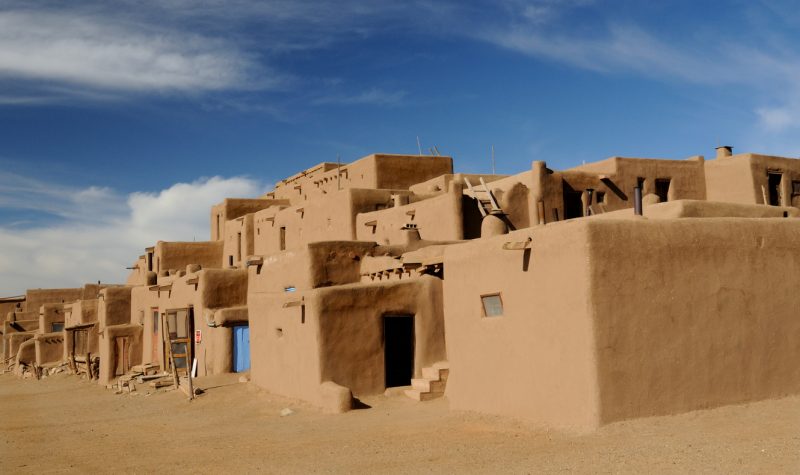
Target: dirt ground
{"points": [[64, 424]]}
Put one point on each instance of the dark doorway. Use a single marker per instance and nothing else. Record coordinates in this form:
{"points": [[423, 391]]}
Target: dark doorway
{"points": [[774, 185], [662, 189], [573, 205], [398, 348]]}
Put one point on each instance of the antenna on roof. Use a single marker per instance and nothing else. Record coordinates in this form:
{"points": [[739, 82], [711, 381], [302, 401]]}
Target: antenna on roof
{"points": [[493, 160], [419, 147], [436, 149], [338, 172]]}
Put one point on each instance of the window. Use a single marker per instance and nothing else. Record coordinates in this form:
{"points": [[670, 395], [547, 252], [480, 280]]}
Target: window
{"points": [[230, 261], [283, 238], [150, 261], [492, 305], [238, 246], [662, 189], [57, 327], [600, 197]]}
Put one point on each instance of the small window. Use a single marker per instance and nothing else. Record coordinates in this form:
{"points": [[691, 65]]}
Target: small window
{"points": [[230, 261], [57, 327], [600, 197], [796, 187], [492, 305], [290, 288], [283, 238]]}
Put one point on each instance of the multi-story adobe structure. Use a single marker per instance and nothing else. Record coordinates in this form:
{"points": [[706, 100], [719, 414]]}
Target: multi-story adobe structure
{"points": [[672, 292]]}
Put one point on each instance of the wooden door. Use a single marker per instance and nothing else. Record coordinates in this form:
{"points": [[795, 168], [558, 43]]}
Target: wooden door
{"points": [[155, 352], [122, 356]]}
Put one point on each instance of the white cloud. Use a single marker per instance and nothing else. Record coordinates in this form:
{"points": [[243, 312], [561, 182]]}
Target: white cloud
{"points": [[104, 53], [105, 231]]}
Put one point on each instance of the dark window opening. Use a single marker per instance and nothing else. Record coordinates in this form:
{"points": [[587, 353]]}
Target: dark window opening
{"points": [[150, 262], [573, 204], [57, 327], [640, 182], [238, 246], [600, 197], [283, 238], [662, 189], [774, 187], [398, 338], [230, 261]]}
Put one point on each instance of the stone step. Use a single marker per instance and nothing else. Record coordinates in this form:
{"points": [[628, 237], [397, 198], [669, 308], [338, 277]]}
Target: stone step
{"points": [[435, 374], [426, 385], [418, 395]]}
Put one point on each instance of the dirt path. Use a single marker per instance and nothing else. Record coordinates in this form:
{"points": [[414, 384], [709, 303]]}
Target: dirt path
{"points": [[63, 424]]}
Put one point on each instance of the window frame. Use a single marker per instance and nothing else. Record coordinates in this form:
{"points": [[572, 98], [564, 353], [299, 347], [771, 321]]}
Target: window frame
{"points": [[499, 295]]}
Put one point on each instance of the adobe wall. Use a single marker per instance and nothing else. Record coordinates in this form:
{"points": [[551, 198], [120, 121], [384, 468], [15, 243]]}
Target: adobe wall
{"points": [[81, 312], [302, 339], [284, 344], [232, 208], [351, 329], [107, 347], [330, 218], [377, 171], [114, 320], [12, 332], [238, 241], [207, 292], [35, 298], [438, 218], [740, 178], [49, 348], [536, 361], [9, 307], [694, 313], [177, 255], [49, 314], [399, 172]]}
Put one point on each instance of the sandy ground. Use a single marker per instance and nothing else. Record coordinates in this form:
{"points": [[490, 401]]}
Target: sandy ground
{"points": [[64, 424]]}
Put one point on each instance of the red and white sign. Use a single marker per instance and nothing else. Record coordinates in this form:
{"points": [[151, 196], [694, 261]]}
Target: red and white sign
{"points": [[198, 336]]}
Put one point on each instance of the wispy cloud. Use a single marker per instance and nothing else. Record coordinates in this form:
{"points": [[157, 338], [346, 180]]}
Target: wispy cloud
{"points": [[99, 52], [372, 96], [105, 231]]}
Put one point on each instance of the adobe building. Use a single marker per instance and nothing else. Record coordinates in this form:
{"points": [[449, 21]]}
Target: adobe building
{"points": [[33, 333], [623, 288]]}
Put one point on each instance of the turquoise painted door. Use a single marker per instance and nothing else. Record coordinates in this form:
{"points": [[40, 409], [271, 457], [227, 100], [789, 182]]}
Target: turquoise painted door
{"points": [[241, 348]]}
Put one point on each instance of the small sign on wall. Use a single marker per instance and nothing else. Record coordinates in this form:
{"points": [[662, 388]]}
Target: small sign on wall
{"points": [[198, 336]]}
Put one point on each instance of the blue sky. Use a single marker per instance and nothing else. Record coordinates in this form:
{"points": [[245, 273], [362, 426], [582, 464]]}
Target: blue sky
{"points": [[124, 121]]}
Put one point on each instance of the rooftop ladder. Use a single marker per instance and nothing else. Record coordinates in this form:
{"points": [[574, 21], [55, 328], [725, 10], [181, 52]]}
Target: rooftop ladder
{"points": [[487, 204]]}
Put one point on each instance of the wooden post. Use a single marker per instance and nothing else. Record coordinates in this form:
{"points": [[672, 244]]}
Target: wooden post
{"points": [[165, 337], [189, 377], [89, 366]]}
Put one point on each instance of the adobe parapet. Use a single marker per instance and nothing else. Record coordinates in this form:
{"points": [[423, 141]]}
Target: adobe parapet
{"points": [[377, 171]]}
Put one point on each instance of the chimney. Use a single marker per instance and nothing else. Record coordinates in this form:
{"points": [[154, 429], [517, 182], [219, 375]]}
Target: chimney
{"points": [[724, 151]]}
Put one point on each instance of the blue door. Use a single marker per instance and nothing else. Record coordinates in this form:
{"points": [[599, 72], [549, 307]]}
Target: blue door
{"points": [[241, 348]]}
